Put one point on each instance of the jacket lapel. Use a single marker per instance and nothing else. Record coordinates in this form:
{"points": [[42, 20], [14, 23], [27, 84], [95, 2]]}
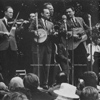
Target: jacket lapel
{"points": [[7, 27]]}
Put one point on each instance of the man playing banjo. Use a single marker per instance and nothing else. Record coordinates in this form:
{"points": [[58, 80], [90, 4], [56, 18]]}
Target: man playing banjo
{"points": [[42, 31]]}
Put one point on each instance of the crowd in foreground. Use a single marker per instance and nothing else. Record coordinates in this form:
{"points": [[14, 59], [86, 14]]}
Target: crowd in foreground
{"points": [[28, 88]]}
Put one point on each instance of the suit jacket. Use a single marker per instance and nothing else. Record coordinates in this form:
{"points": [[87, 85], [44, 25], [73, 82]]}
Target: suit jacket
{"points": [[80, 23], [49, 28], [39, 95], [62, 51], [6, 41]]}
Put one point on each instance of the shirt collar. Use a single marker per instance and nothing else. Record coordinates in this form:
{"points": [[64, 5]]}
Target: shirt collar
{"points": [[5, 19], [74, 19]]}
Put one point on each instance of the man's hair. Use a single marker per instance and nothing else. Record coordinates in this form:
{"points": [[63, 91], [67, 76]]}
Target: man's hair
{"points": [[90, 78], [89, 93], [70, 7], [7, 7], [31, 81], [45, 4]]}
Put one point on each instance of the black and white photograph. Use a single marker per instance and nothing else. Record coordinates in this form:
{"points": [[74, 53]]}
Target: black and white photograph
{"points": [[49, 49]]}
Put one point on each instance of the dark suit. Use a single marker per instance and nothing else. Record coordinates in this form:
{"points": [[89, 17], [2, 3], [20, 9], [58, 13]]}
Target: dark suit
{"points": [[8, 54], [39, 95], [80, 55], [45, 50], [62, 54], [7, 40]]}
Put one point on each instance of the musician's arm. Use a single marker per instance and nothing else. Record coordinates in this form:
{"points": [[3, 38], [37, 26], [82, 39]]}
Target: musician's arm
{"points": [[60, 53], [85, 25], [4, 33], [1, 30]]}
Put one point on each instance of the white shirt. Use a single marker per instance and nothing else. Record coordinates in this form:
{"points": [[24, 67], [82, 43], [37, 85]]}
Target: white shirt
{"points": [[95, 48], [44, 22]]}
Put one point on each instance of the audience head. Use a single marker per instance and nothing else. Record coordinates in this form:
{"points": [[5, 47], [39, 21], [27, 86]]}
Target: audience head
{"points": [[3, 86], [89, 93], [90, 79], [31, 81], [66, 92], [16, 82], [15, 96], [61, 77]]}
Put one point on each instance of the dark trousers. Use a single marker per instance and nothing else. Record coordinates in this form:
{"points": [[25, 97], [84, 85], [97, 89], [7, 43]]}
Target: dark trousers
{"points": [[96, 66], [80, 57], [8, 61], [41, 60]]}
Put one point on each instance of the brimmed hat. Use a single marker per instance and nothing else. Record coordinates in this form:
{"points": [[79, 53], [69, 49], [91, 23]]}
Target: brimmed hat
{"points": [[67, 90]]}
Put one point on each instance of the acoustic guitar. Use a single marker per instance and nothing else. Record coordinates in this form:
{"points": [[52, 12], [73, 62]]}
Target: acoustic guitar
{"points": [[77, 36]]}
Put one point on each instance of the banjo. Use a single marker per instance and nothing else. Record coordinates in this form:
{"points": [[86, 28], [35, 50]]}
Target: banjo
{"points": [[41, 36]]}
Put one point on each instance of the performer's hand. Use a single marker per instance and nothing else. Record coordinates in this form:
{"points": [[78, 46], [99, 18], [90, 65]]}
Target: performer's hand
{"points": [[7, 33], [55, 33], [76, 36], [35, 33], [89, 59], [69, 60]]}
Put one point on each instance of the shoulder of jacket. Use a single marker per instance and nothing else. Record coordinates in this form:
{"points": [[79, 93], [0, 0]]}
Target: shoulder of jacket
{"points": [[50, 22], [1, 19], [80, 18]]}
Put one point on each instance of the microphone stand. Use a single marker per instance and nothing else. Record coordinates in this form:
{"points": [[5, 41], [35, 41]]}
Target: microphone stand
{"points": [[72, 57], [37, 46], [90, 26], [68, 70]]}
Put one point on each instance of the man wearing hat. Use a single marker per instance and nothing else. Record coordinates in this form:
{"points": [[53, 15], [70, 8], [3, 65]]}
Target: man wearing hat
{"points": [[66, 92]]}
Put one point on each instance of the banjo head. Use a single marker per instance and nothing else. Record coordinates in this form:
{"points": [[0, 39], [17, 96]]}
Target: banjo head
{"points": [[42, 36]]}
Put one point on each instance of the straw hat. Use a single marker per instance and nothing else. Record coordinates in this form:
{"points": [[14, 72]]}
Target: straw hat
{"points": [[67, 90]]}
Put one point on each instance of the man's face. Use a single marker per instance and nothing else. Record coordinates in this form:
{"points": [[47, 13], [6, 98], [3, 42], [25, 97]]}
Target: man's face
{"points": [[51, 9], [9, 13], [70, 13], [46, 14], [32, 16]]}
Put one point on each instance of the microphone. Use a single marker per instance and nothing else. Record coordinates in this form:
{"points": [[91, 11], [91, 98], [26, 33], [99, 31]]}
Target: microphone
{"points": [[64, 18], [89, 18]]}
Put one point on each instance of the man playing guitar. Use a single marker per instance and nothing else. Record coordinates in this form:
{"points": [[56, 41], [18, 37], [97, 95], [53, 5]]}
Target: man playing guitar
{"points": [[76, 27]]}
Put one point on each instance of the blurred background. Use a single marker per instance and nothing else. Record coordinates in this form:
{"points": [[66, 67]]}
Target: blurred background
{"points": [[82, 7]]}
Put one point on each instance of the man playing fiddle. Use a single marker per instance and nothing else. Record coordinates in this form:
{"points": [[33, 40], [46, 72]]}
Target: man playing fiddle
{"points": [[8, 46]]}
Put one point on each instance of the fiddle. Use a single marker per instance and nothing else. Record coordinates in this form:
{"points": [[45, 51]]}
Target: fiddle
{"points": [[19, 21]]}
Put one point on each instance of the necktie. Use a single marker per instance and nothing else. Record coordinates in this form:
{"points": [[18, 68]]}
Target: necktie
{"points": [[45, 24], [74, 22]]}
